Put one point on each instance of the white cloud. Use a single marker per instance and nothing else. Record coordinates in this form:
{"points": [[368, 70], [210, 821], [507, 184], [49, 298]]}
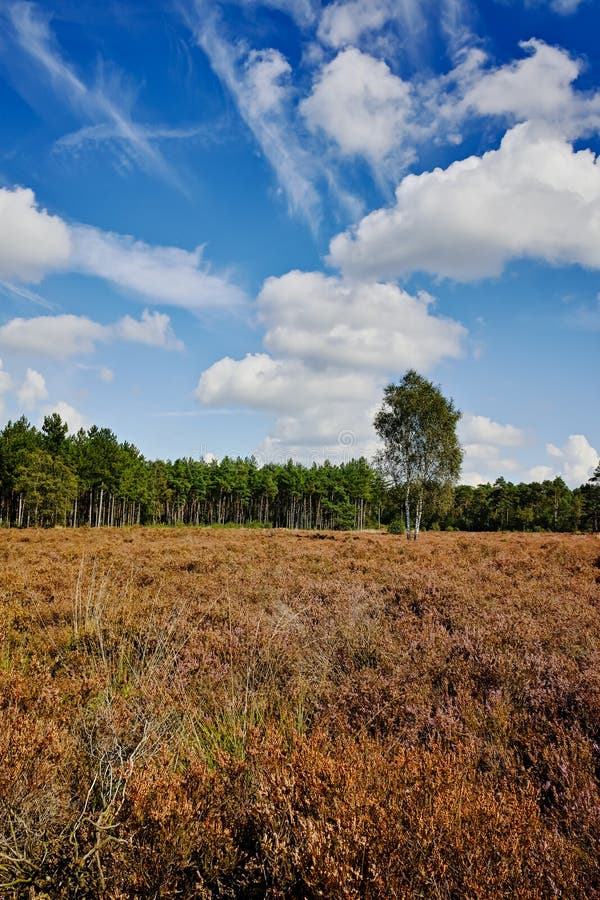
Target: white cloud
{"points": [[55, 336], [456, 22], [578, 458], [540, 473], [257, 82], [267, 72], [534, 197], [32, 242], [481, 430], [33, 390], [473, 479], [74, 419], [91, 134], [106, 375], [302, 11], [104, 103], [488, 452], [6, 384], [390, 25], [563, 7], [372, 326], [63, 336], [334, 342], [24, 293], [153, 329], [344, 23], [483, 442], [360, 104], [488, 457], [261, 382], [586, 316], [162, 274], [337, 432], [536, 88]]}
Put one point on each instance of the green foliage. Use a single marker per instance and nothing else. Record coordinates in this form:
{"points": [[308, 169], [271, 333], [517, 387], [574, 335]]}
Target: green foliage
{"points": [[49, 478], [421, 453], [47, 486], [397, 526]]}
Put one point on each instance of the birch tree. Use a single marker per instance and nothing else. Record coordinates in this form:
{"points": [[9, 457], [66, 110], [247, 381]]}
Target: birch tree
{"points": [[417, 425]]}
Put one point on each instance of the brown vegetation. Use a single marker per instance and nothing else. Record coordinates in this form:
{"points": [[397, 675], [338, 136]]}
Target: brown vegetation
{"points": [[273, 714]]}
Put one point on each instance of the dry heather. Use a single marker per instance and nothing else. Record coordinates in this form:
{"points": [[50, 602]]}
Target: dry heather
{"points": [[199, 713]]}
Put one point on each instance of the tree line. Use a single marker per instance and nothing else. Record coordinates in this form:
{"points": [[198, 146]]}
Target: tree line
{"points": [[49, 478]]}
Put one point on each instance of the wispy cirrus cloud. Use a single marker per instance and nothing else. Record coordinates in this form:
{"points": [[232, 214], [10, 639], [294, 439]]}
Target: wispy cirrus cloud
{"points": [[259, 82], [109, 132], [562, 7], [104, 106], [303, 12]]}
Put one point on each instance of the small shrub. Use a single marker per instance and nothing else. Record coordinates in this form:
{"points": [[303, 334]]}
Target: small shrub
{"points": [[397, 526]]}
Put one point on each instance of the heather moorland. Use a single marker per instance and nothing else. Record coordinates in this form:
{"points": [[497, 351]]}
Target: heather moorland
{"points": [[237, 713]]}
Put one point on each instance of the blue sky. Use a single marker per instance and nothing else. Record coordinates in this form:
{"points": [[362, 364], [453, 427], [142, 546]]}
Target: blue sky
{"points": [[224, 227]]}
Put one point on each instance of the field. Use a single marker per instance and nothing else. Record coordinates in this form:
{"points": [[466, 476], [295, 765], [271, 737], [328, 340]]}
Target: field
{"points": [[235, 713]]}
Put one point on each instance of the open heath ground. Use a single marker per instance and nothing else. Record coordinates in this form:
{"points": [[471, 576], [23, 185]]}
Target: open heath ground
{"points": [[236, 713]]}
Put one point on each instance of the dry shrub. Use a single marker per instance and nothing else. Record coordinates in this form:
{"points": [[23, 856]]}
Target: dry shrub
{"points": [[242, 714]]}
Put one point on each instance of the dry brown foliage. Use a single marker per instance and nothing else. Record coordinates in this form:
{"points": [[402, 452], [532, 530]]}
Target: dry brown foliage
{"points": [[198, 713]]}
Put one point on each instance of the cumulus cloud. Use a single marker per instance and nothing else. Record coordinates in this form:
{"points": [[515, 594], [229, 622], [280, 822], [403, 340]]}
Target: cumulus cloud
{"points": [[360, 104], [56, 336], [382, 22], [538, 85], [365, 109], [267, 73], [319, 414], [153, 329], [277, 385], [336, 432], [484, 431], [473, 479], [63, 336], [334, 344], [33, 390], [534, 197], [6, 382], [536, 88], [344, 23], [484, 442], [371, 326], [481, 452], [540, 473], [577, 458], [74, 419], [32, 242]]}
